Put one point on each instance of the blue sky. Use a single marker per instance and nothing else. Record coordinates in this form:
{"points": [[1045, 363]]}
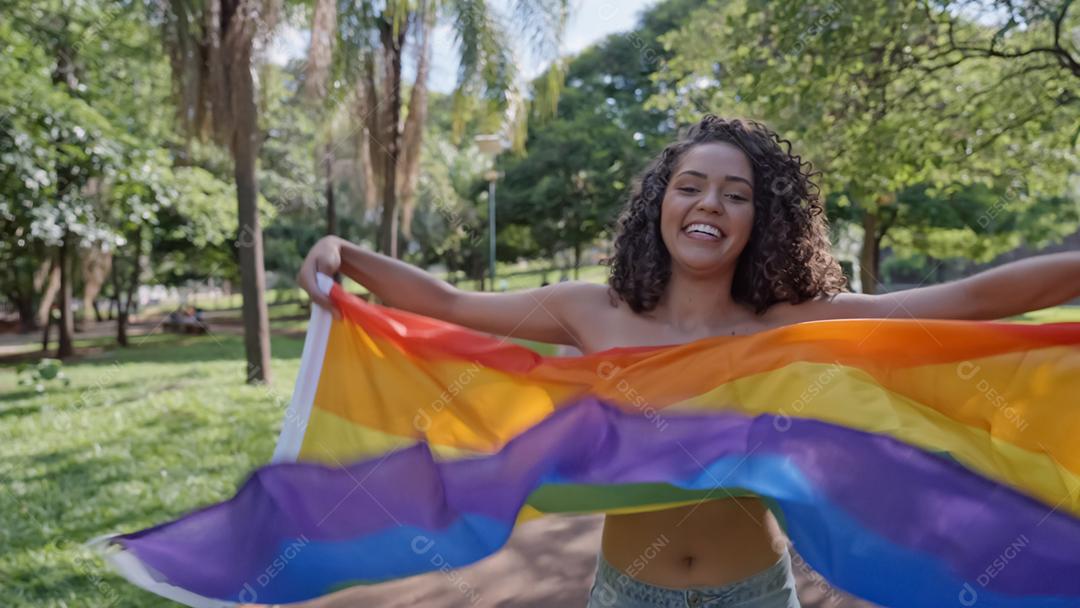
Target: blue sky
{"points": [[590, 21]]}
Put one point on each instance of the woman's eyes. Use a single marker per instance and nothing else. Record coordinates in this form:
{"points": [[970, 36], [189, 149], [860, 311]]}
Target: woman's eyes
{"points": [[732, 195]]}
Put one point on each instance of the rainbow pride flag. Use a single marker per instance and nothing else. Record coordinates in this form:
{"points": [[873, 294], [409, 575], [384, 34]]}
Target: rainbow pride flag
{"points": [[910, 462]]}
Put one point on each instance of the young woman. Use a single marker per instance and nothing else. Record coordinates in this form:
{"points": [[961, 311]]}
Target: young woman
{"points": [[723, 235]]}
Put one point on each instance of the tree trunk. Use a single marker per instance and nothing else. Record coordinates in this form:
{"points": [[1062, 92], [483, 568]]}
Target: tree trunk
{"points": [[45, 332], [367, 112], [577, 259], [331, 210], [870, 254], [121, 313], [371, 183], [25, 306], [48, 296], [95, 271], [20, 281], [122, 329], [252, 272], [390, 137], [132, 286], [331, 205], [67, 323], [412, 138], [321, 49]]}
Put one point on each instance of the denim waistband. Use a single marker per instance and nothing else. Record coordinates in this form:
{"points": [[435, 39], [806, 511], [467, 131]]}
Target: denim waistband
{"points": [[771, 579]]}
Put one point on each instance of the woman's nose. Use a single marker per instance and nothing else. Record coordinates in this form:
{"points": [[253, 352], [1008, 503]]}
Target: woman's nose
{"points": [[712, 201]]}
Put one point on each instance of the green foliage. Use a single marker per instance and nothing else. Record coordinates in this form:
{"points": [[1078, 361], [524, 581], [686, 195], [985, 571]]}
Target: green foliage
{"points": [[571, 184], [288, 159], [978, 222], [450, 225]]}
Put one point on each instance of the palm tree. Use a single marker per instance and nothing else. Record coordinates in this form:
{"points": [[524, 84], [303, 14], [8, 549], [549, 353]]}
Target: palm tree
{"points": [[210, 45], [364, 44]]}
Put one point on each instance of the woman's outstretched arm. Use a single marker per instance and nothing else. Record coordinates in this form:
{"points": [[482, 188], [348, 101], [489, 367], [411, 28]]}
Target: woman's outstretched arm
{"points": [[1010, 289], [545, 314]]}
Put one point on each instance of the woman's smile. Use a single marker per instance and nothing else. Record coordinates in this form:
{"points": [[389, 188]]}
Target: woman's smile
{"points": [[704, 232]]}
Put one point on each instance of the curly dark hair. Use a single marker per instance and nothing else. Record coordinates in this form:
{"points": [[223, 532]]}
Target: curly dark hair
{"points": [[787, 258]]}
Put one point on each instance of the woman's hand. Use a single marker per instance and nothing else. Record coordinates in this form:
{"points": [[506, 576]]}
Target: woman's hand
{"points": [[324, 257]]}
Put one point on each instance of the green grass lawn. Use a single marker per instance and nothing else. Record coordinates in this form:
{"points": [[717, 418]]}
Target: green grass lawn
{"points": [[140, 436], [277, 295]]}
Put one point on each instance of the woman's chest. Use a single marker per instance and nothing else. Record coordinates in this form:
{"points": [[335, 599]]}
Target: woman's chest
{"points": [[619, 328]]}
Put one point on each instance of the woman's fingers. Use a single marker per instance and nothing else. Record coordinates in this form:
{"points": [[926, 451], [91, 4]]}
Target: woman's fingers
{"points": [[317, 295], [307, 278]]}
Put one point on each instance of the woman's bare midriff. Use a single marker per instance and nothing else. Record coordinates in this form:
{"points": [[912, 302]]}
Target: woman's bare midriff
{"points": [[706, 544], [710, 543]]}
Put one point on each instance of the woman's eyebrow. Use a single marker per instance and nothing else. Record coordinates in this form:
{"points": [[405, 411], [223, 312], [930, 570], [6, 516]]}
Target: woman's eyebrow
{"points": [[734, 178]]}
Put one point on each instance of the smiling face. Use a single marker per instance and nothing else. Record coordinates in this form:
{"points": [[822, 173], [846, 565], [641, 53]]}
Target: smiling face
{"points": [[707, 176], [708, 210]]}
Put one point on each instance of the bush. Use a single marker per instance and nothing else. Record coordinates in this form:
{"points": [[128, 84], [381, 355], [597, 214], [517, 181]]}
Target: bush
{"points": [[45, 371]]}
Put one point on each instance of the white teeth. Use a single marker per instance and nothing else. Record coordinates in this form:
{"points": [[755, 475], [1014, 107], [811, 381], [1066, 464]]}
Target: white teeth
{"points": [[707, 229]]}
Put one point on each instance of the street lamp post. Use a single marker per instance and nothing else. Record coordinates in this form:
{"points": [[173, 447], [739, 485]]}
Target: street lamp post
{"points": [[490, 146]]}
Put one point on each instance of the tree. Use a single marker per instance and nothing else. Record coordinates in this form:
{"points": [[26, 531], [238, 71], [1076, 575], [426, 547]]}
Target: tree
{"points": [[210, 46], [364, 45], [130, 204], [57, 147], [27, 163], [448, 220]]}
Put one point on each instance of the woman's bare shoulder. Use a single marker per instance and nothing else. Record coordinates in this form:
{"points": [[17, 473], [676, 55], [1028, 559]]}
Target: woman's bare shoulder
{"points": [[587, 298], [837, 306], [592, 311]]}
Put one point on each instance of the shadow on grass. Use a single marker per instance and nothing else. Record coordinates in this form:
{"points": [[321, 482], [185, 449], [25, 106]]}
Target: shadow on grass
{"points": [[173, 348], [64, 401], [19, 411], [165, 347], [19, 395]]}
